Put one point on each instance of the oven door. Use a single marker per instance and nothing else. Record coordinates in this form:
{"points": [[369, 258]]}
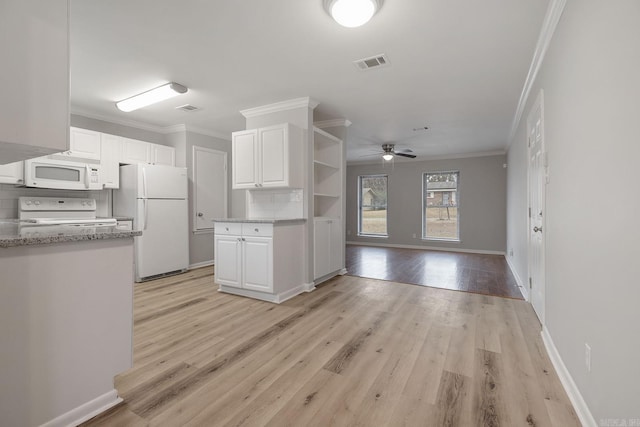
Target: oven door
{"points": [[49, 173]]}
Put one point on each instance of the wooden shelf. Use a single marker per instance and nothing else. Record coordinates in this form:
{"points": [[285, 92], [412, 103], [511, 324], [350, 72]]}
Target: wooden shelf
{"points": [[327, 135]]}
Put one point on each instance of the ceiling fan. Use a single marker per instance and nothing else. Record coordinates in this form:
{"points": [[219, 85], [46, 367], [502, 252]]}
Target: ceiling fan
{"points": [[388, 152]]}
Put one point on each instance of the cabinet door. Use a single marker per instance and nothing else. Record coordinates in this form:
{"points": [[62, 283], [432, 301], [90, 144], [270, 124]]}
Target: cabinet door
{"points": [[257, 263], [13, 173], [244, 153], [228, 257], [34, 107], [274, 156], [336, 246], [321, 247], [110, 161], [84, 144], [163, 155], [134, 151]]}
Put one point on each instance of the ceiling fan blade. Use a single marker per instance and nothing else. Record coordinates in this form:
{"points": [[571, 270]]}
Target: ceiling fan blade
{"points": [[411, 156], [406, 150], [371, 155]]}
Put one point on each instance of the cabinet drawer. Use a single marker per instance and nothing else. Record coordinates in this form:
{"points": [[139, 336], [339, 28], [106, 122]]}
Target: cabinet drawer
{"points": [[255, 229], [228, 228]]}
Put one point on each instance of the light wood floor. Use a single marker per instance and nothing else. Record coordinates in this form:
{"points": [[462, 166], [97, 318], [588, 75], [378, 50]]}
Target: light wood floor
{"points": [[355, 352]]}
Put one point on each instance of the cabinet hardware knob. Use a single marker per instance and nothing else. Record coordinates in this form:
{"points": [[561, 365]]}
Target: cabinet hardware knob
{"points": [[537, 229], [200, 214], [256, 230]]}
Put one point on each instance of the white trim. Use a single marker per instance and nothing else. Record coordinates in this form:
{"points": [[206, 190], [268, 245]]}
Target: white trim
{"points": [[579, 405], [207, 132], [305, 102], [149, 127], [203, 231], [200, 265], [326, 134], [274, 298], [332, 123], [429, 248], [523, 290], [424, 158], [85, 411], [194, 171], [551, 19]]}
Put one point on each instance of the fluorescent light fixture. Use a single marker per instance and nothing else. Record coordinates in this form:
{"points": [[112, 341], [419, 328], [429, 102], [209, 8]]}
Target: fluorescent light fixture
{"points": [[352, 13], [152, 96], [387, 156]]}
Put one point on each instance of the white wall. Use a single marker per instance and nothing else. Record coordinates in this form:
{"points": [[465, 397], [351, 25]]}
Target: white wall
{"points": [[592, 91]]}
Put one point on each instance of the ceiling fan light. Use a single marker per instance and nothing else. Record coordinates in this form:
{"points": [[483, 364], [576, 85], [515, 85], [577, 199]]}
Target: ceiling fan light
{"points": [[352, 13], [387, 156], [152, 96]]}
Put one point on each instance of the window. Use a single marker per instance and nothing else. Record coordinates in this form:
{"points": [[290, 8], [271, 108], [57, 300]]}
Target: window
{"points": [[372, 205], [440, 201]]}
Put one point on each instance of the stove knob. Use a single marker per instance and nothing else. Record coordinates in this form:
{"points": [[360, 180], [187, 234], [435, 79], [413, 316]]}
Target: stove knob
{"points": [[37, 203], [28, 202], [89, 202]]}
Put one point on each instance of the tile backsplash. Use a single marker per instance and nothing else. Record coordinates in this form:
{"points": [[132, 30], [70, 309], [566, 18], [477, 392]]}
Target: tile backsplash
{"points": [[275, 204], [9, 195]]}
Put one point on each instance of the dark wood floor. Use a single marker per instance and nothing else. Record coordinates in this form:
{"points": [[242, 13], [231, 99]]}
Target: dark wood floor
{"points": [[478, 273]]}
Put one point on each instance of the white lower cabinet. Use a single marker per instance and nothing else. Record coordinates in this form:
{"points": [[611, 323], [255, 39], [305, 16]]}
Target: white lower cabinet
{"points": [[242, 260], [255, 259], [327, 246]]}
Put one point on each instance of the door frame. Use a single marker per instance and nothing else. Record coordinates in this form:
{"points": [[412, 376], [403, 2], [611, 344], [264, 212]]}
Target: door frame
{"points": [[194, 172], [538, 104]]}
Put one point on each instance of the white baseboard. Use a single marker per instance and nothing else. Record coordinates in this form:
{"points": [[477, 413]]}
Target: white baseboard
{"points": [[524, 290], [86, 411], [274, 298], [200, 264], [429, 248], [579, 405]]}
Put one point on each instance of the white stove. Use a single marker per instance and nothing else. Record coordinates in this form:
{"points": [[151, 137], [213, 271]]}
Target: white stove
{"points": [[60, 211]]}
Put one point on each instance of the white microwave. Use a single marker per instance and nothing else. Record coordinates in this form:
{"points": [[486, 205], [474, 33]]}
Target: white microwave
{"points": [[45, 172]]}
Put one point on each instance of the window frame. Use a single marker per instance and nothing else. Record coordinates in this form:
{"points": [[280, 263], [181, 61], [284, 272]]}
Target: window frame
{"points": [[424, 207], [374, 235]]}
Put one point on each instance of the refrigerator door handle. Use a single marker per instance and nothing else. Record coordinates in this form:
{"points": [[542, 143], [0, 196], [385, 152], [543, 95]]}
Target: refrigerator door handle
{"points": [[145, 215], [144, 183]]}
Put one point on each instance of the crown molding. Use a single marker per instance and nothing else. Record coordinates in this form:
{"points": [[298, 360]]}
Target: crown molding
{"points": [[117, 121], [151, 128], [305, 102], [551, 19], [332, 123], [208, 132], [425, 158]]}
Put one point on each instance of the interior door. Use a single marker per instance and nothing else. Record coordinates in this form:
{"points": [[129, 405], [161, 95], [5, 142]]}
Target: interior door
{"points": [[209, 187], [537, 183]]}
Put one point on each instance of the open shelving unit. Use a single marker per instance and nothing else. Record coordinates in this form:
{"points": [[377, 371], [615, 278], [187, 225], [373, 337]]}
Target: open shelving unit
{"points": [[328, 199]]}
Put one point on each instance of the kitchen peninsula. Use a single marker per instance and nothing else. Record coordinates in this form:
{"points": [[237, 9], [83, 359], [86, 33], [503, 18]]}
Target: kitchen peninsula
{"points": [[66, 297]]}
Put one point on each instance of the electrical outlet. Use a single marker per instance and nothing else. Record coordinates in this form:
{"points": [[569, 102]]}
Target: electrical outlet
{"points": [[510, 252], [587, 356]]}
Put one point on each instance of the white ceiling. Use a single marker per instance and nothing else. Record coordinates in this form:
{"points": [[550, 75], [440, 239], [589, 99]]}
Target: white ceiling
{"points": [[456, 66]]}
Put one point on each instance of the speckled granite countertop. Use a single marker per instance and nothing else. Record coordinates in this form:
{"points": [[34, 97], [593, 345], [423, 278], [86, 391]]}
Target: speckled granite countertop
{"points": [[14, 233], [260, 220]]}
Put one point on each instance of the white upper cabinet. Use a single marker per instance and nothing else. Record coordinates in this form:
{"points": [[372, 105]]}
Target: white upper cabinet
{"points": [[109, 160], [34, 106], [13, 173], [84, 144], [163, 155], [269, 157], [244, 153], [134, 151]]}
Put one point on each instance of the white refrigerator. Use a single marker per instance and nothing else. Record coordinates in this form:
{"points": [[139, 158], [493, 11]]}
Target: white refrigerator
{"points": [[155, 196]]}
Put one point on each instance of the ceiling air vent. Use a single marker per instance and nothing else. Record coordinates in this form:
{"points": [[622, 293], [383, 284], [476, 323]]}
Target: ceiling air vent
{"points": [[376, 61], [187, 107]]}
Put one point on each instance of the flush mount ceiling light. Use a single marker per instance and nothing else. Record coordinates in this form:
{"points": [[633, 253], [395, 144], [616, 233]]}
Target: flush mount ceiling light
{"points": [[352, 13], [152, 96]]}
